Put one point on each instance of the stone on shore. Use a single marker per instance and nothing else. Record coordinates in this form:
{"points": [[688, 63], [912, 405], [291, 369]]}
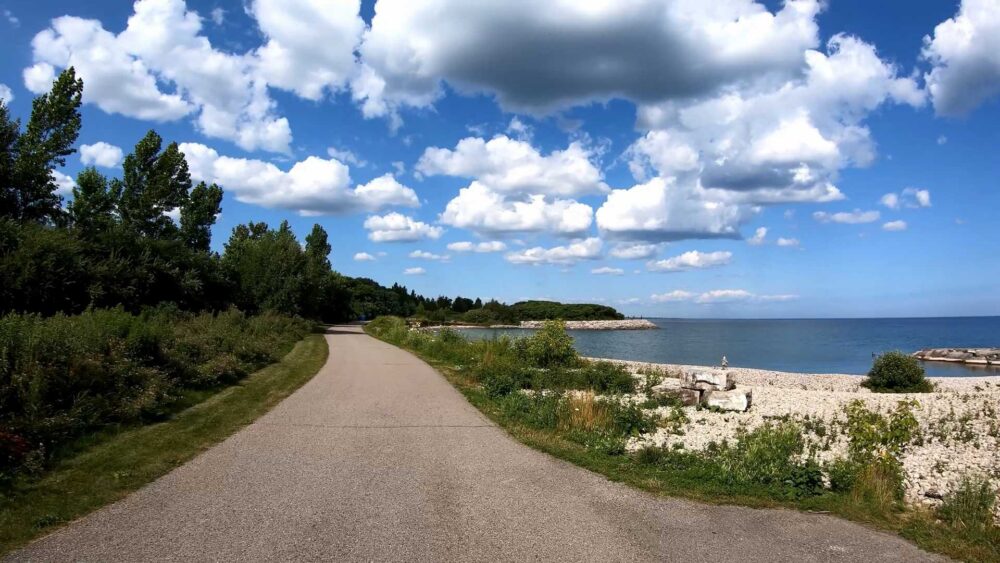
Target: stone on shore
{"points": [[689, 397], [735, 400], [708, 380]]}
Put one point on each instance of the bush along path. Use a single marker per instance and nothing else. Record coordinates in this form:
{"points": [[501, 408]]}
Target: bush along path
{"points": [[378, 458], [109, 458], [591, 413]]}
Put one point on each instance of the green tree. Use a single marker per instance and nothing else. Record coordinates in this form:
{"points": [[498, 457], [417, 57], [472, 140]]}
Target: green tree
{"points": [[267, 268], [93, 206], [198, 215], [29, 193], [153, 184]]}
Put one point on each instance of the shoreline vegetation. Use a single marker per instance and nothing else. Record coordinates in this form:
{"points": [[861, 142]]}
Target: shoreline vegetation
{"points": [[854, 454]]}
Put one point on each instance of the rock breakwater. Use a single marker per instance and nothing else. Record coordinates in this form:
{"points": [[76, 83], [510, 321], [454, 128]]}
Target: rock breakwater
{"points": [[625, 324], [981, 356]]}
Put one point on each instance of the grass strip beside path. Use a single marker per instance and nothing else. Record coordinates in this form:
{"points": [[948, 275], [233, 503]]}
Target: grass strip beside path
{"points": [[123, 462]]}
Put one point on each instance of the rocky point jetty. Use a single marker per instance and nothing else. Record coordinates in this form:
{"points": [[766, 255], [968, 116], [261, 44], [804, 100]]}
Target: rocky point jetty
{"points": [[625, 324], [982, 356]]}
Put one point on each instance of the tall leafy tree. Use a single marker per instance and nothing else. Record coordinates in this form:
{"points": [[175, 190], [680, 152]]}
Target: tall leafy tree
{"points": [[29, 193], [10, 130], [198, 215], [153, 184], [92, 210], [267, 268]]}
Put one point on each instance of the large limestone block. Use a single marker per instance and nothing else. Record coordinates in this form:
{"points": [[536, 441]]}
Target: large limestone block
{"points": [[735, 400], [689, 397], [708, 380]]}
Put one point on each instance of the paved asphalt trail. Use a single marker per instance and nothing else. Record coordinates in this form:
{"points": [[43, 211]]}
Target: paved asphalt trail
{"points": [[379, 458]]}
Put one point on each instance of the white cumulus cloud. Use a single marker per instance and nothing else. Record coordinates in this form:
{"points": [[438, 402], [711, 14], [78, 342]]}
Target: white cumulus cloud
{"points": [[691, 260], [848, 217], [64, 184], [163, 43], [587, 249], [414, 271], [363, 257], [310, 44], [480, 209], [396, 227], [634, 251], [5, 94], [101, 154], [661, 210], [424, 255], [311, 186], [909, 197], [542, 57], [788, 242], [488, 246], [894, 226], [758, 236], [607, 271], [672, 296], [965, 53], [510, 166]]}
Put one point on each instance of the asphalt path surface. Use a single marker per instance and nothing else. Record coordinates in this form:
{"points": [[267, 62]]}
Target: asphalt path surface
{"points": [[378, 458]]}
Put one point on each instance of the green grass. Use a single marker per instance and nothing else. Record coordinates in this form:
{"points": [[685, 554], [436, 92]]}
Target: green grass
{"points": [[106, 467], [679, 474]]}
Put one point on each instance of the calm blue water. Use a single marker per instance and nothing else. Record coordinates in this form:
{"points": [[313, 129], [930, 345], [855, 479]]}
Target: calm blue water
{"points": [[795, 345]]}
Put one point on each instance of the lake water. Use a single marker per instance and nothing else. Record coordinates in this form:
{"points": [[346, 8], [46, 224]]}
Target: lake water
{"points": [[795, 345]]}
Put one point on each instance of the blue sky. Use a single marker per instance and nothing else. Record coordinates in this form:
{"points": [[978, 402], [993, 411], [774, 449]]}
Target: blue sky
{"points": [[732, 159]]}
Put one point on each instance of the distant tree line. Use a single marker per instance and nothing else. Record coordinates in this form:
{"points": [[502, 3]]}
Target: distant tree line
{"points": [[145, 239]]}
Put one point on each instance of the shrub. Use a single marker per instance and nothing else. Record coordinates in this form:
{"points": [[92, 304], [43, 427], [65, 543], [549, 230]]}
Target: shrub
{"points": [[896, 372], [872, 471], [550, 347], [970, 506], [769, 455], [63, 376]]}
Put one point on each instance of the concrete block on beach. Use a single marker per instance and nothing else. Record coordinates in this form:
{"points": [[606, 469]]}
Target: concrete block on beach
{"points": [[735, 400], [708, 380]]}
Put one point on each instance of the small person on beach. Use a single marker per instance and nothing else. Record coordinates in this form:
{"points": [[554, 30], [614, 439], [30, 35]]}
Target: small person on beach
{"points": [[725, 362]]}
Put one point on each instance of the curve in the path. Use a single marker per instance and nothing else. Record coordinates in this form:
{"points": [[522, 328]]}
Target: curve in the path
{"points": [[379, 458]]}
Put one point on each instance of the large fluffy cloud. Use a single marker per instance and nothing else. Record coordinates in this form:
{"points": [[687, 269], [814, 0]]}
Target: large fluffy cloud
{"points": [[311, 186], [163, 43], [515, 187], [310, 45], [965, 53], [539, 57], [480, 209], [714, 160], [510, 166], [663, 210]]}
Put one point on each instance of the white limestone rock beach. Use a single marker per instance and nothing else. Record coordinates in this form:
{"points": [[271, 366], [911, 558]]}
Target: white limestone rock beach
{"points": [[959, 421]]}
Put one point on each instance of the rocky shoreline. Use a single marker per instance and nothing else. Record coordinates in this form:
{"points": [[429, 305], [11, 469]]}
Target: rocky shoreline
{"points": [[959, 424], [624, 324], [976, 356]]}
